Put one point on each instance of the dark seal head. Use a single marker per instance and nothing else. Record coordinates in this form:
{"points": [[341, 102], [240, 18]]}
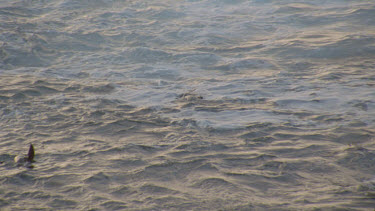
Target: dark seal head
{"points": [[26, 159]]}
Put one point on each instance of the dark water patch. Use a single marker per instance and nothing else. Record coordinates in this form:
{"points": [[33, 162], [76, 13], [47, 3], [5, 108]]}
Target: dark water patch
{"points": [[185, 123], [198, 148], [131, 149], [214, 183], [125, 107], [347, 47], [36, 195], [350, 46], [367, 185], [230, 2], [99, 89], [253, 134], [46, 90], [154, 189], [314, 166], [189, 97], [246, 64], [143, 54], [259, 141], [201, 59], [63, 203], [312, 150], [167, 14], [170, 170], [128, 13], [4, 202], [142, 111], [15, 11], [152, 73], [98, 178], [110, 150], [90, 38], [363, 16], [114, 205], [57, 181], [103, 103], [354, 137], [272, 165], [73, 88], [116, 127], [19, 96], [26, 89], [285, 135], [295, 8], [358, 158], [53, 118], [170, 110], [20, 58], [357, 123], [202, 146], [99, 182], [254, 181], [294, 103], [169, 203], [32, 92], [314, 136], [261, 125], [241, 101], [239, 161], [208, 167], [10, 194], [65, 42], [79, 6], [125, 191], [20, 179], [97, 114], [209, 108], [230, 49], [74, 190], [366, 194], [364, 106], [246, 206], [114, 75], [360, 203], [4, 98], [286, 178], [5, 158], [328, 118], [332, 76], [258, 134], [144, 149], [311, 20]]}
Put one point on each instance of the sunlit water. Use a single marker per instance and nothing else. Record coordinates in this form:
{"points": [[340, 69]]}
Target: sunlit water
{"points": [[188, 105]]}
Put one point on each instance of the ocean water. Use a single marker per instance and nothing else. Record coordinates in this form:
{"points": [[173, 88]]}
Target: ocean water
{"points": [[188, 105]]}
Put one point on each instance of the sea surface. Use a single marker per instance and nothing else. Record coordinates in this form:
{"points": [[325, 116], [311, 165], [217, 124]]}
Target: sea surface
{"points": [[188, 104]]}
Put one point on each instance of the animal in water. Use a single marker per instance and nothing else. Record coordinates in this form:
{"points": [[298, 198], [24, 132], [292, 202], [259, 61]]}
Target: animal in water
{"points": [[26, 160]]}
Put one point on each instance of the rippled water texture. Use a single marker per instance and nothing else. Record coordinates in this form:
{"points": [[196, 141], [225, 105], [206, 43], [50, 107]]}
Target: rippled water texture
{"points": [[188, 105]]}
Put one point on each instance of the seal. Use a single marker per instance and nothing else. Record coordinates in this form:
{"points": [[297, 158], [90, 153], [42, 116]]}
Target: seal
{"points": [[26, 159]]}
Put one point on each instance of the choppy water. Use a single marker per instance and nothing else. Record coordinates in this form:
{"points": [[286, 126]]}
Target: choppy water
{"points": [[188, 105]]}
